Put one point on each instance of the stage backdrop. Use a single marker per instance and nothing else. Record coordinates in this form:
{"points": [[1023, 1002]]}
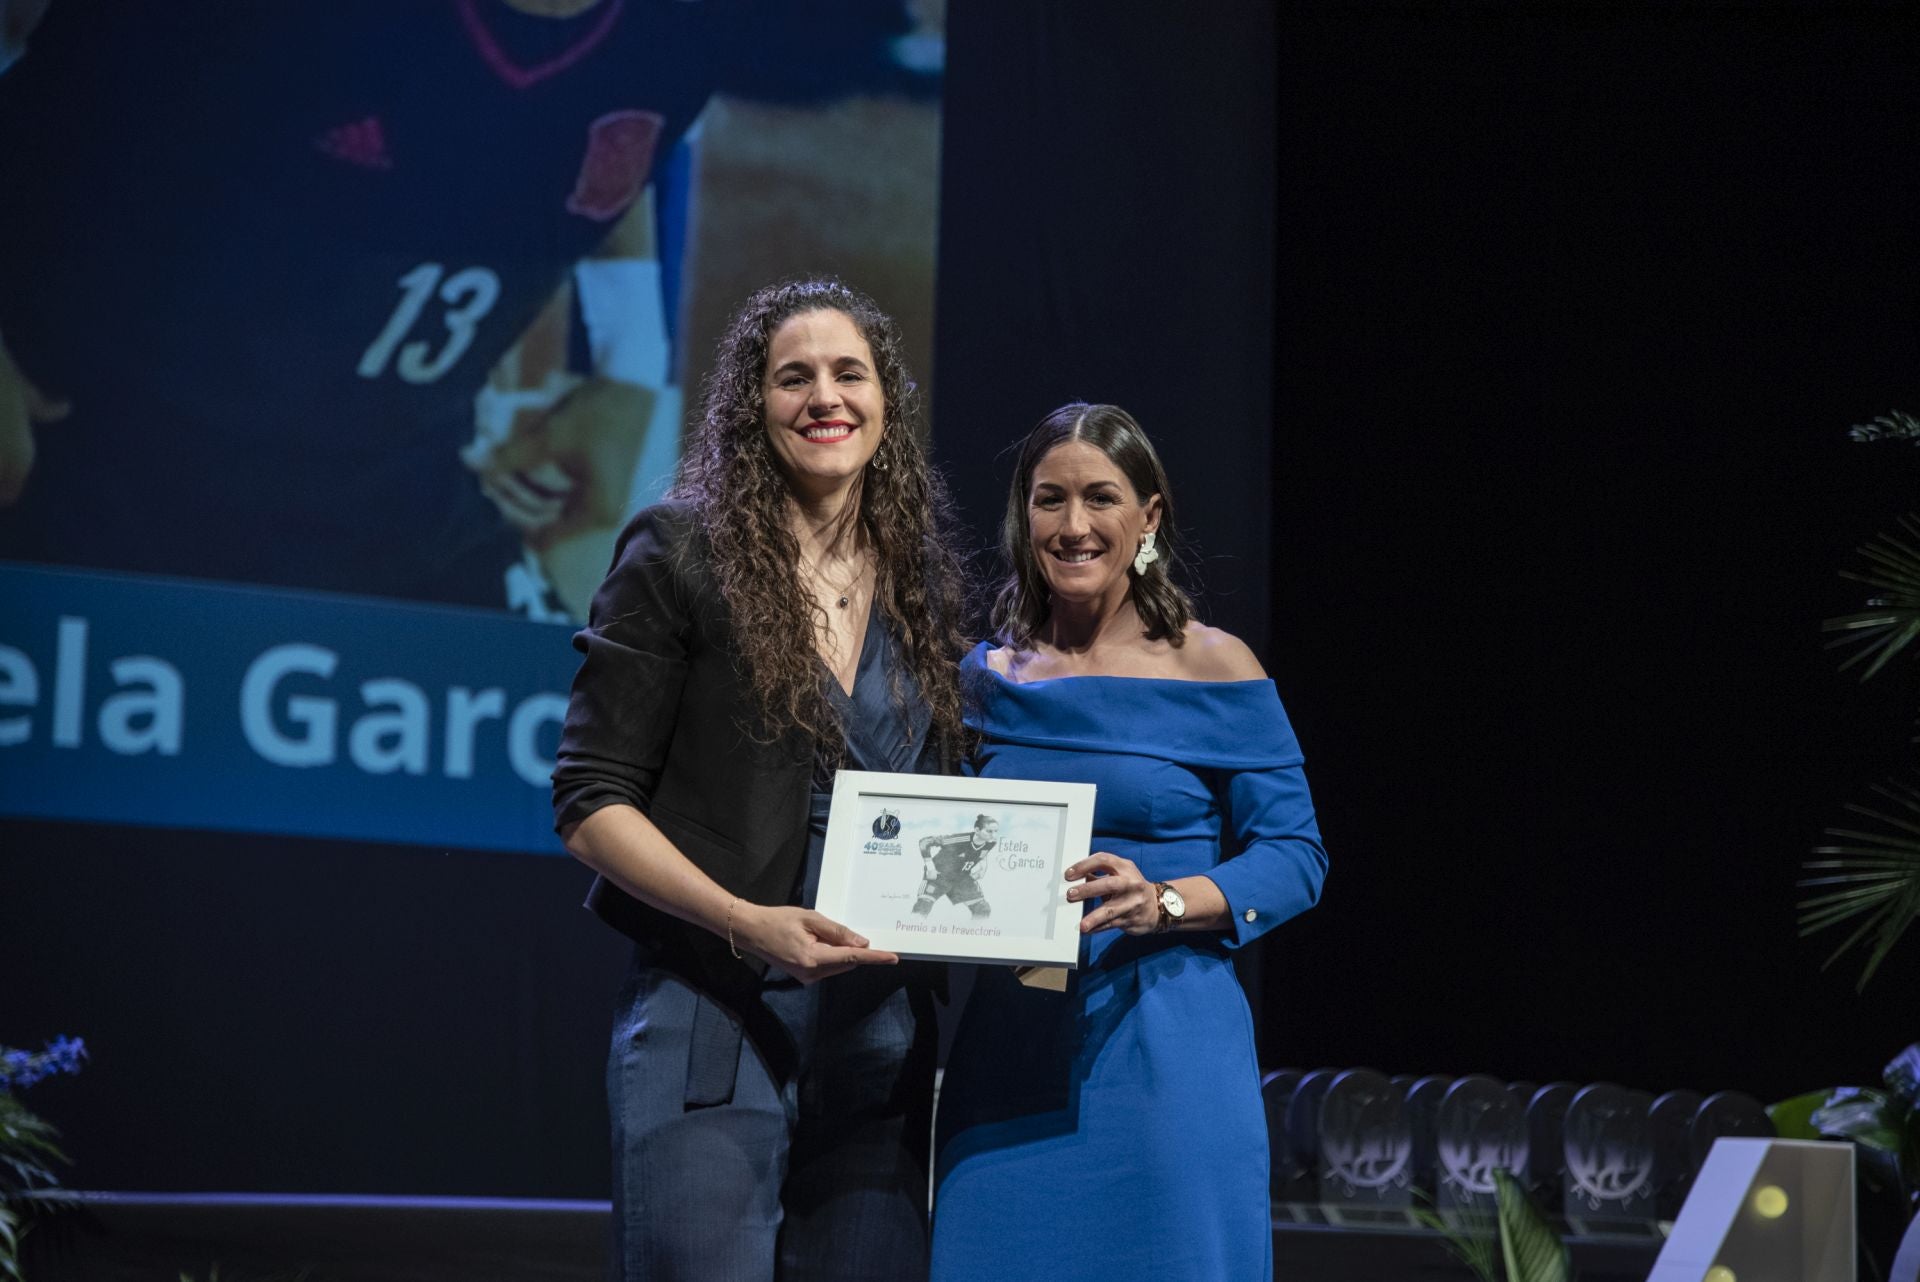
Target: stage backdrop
{"points": [[271, 783], [1577, 305], [369, 325], [341, 339], [1576, 308]]}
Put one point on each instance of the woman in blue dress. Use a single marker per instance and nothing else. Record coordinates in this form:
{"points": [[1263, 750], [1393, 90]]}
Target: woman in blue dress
{"points": [[1130, 1103]]}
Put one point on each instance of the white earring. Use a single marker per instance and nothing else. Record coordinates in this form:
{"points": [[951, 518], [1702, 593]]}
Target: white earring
{"points": [[1146, 556]]}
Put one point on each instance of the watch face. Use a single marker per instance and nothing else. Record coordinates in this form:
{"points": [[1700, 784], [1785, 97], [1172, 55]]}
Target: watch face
{"points": [[1173, 902]]}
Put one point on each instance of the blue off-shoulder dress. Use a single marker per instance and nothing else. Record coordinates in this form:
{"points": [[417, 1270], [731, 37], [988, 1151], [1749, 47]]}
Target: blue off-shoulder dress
{"points": [[1115, 1131]]}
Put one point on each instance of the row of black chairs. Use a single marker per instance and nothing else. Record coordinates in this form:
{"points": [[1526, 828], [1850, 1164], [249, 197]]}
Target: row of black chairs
{"points": [[1357, 1138]]}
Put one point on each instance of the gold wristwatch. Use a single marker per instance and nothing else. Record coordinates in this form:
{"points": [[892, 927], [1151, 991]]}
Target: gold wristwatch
{"points": [[1173, 906]]}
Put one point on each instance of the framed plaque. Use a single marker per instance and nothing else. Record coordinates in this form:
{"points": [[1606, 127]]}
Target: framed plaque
{"points": [[957, 869]]}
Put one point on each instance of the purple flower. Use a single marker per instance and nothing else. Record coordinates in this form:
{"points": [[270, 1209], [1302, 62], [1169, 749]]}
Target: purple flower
{"points": [[17, 1069], [67, 1054], [20, 1069]]}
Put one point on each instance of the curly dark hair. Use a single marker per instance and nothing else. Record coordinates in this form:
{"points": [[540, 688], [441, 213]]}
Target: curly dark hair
{"points": [[1021, 609], [731, 478]]}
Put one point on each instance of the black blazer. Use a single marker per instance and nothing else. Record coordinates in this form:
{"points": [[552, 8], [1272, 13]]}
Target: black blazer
{"points": [[659, 721]]}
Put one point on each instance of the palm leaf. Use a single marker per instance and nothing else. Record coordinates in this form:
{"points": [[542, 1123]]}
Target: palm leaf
{"points": [[25, 1130], [1871, 881], [1469, 1237], [1891, 621], [1532, 1250], [9, 1243], [1894, 425], [22, 1175]]}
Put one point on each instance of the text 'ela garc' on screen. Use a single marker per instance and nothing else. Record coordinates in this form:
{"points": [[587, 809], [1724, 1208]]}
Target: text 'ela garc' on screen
{"points": [[288, 713]]}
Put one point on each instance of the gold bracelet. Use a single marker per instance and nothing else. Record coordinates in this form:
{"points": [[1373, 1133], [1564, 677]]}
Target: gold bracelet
{"points": [[733, 947]]}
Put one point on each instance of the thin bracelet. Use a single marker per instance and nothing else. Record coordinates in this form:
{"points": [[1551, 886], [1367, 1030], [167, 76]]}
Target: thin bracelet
{"points": [[735, 948]]}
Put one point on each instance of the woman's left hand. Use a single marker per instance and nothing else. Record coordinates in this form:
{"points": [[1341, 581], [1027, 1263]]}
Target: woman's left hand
{"points": [[1128, 901]]}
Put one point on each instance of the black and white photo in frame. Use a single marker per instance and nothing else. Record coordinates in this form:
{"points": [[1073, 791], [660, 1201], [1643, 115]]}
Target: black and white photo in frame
{"points": [[957, 869]]}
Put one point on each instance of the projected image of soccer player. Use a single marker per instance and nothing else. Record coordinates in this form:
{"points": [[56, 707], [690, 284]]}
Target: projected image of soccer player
{"points": [[261, 267], [562, 450], [950, 868]]}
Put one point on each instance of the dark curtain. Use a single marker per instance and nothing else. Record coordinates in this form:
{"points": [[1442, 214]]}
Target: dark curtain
{"points": [[1107, 235]]}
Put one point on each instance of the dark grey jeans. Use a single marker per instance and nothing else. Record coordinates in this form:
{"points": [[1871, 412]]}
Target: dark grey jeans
{"points": [[822, 1175]]}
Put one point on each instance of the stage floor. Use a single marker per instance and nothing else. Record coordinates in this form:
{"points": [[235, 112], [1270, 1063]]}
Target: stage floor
{"points": [[136, 1237]]}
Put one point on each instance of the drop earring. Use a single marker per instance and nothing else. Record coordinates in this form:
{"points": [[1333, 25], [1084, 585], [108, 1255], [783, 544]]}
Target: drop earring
{"points": [[1146, 556]]}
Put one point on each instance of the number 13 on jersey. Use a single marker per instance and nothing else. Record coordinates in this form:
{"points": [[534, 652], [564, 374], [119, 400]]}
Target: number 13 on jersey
{"points": [[466, 297]]}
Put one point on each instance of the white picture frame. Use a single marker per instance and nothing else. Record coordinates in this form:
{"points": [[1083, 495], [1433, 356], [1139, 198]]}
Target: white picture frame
{"points": [[906, 865]]}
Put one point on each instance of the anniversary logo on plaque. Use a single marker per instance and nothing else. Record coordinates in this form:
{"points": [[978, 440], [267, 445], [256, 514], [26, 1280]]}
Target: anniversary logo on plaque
{"points": [[1480, 1128], [1609, 1154], [1366, 1150]]}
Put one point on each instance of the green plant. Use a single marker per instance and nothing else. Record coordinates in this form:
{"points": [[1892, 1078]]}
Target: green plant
{"points": [[1469, 1235], [1884, 1125], [1529, 1249], [1870, 878], [29, 1145], [1892, 426], [1874, 877], [1532, 1250]]}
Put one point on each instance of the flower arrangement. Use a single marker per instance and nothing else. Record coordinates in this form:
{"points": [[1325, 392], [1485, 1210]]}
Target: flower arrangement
{"points": [[20, 1069], [29, 1145]]}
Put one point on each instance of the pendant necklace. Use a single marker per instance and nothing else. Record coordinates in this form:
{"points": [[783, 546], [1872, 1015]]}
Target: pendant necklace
{"points": [[846, 593]]}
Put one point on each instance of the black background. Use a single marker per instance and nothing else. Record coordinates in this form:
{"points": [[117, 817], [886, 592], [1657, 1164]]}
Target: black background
{"points": [[1509, 410], [1573, 312]]}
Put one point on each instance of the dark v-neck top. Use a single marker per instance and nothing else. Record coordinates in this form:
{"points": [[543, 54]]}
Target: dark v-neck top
{"points": [[881, 735], [657, 722]]}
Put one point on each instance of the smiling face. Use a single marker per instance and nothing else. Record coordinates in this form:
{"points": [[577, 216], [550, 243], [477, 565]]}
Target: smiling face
{"points": [[825, 412], [1084, 522]]}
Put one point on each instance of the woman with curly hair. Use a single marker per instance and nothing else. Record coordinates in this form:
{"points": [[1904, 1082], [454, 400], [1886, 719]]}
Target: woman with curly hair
{"points": [[791, 609]]}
